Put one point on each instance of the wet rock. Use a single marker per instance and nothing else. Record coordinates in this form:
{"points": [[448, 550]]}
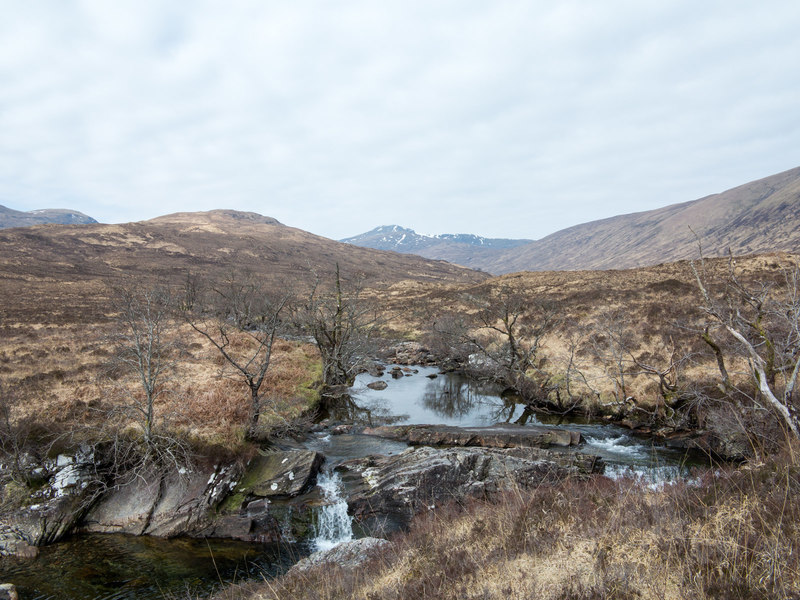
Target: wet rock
{"points": [[8, 592], [174, 504], [235, 527], [412, 353], [729, 447], [385, 492], [281, 474], [378, 385], [342, 429], [54, 509], [376, 369], [495, 436], [346, 555], [40, 524]]}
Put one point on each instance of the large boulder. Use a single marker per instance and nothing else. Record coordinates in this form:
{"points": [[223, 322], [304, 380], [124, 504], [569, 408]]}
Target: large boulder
{"points": [[70, 486], [347, 555], [281, 474], [504, 435], [385, 492], [175, 503]]}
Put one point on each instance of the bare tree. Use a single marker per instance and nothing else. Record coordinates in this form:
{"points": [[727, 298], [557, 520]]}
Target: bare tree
{"points": [[501, 336], [610, 342], [763, 319], [240, 306], [341, 321], [146, 350], [12, 437]]}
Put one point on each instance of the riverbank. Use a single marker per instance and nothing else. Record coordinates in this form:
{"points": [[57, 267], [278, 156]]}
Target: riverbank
{"points": [[728, 533], [274, 498]]}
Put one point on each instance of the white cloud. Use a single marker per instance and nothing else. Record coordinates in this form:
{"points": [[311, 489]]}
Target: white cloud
{"points": [[505, 119]]}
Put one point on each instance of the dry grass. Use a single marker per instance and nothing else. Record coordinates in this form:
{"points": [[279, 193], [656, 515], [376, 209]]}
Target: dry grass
{"points": [[60, 375], [732, 534], [655, 308]]}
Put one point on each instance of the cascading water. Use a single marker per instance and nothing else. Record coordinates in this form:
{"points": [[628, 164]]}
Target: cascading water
{"points": [[333, 524]]}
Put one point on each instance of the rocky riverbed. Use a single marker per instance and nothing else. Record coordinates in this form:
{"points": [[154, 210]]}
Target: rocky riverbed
{"points": [[388, 473]]}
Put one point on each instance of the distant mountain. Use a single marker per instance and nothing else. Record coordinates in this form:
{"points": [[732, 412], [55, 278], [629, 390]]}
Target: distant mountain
{"points": [[75, 264], [760, 216], [459, 248], [63, 216]]}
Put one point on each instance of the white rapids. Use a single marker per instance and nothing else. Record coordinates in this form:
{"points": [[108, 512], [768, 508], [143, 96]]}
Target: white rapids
{"points": [[333, 525]]}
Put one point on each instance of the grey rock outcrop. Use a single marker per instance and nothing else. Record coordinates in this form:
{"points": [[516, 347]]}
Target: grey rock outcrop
{"points": [[40, 524], [494, 436], [165, 506], [385, 492], [54, 509], [8, 592], [182, 504], [347, 555]]}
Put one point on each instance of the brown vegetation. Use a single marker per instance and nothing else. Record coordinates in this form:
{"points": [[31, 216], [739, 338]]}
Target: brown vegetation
{"points": [[59, 374], [60, 274], [631, 344], [729, 534]]}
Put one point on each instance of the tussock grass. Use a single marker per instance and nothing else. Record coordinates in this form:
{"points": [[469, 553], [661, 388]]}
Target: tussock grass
{"points": [[727, 534], [61, 378]]}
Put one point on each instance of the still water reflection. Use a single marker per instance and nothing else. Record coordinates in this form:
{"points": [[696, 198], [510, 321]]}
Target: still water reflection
{"points": [[427, 397], [104, 567]]}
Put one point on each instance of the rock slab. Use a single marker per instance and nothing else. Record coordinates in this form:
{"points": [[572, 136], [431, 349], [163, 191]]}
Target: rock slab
{"points": [[282, 474], [347, 555], [175, 504], [385, 492], [495, 436]]}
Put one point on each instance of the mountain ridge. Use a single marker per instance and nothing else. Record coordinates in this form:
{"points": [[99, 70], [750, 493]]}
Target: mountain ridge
{"points": [[758, 216], [458, 248], [755, 217], [60, 216]]}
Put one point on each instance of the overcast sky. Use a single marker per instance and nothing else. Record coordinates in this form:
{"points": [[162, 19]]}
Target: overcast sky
{"points": [[505, 119]]}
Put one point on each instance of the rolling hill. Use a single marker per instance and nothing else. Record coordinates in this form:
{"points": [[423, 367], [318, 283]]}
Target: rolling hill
{"points": [[61, 272]]}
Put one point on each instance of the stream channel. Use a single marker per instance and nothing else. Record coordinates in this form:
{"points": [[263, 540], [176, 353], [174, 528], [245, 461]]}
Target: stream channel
{"points": [[104, 567]]}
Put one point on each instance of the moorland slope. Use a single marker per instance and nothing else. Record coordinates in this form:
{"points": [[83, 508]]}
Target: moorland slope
{"points": [[54, 273], [760, 216]]}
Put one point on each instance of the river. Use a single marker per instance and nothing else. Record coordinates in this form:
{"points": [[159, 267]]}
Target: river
{"points": [[105, 567]]}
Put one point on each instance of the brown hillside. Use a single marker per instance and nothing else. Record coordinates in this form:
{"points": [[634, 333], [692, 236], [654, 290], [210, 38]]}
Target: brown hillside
{"points": [[761, 216], [53, 274]]}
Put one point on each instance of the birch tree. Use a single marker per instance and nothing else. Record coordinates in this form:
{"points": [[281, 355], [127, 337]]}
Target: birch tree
{"points": [[241, 307], [764, 320]]}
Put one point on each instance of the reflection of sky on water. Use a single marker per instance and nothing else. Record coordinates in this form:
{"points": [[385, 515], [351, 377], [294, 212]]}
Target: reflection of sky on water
{"points": [[451, 399], [447, 399]]}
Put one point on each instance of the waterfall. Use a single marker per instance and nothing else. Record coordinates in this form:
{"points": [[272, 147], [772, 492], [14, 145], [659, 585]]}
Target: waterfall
{"points": [[333, 524]]}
